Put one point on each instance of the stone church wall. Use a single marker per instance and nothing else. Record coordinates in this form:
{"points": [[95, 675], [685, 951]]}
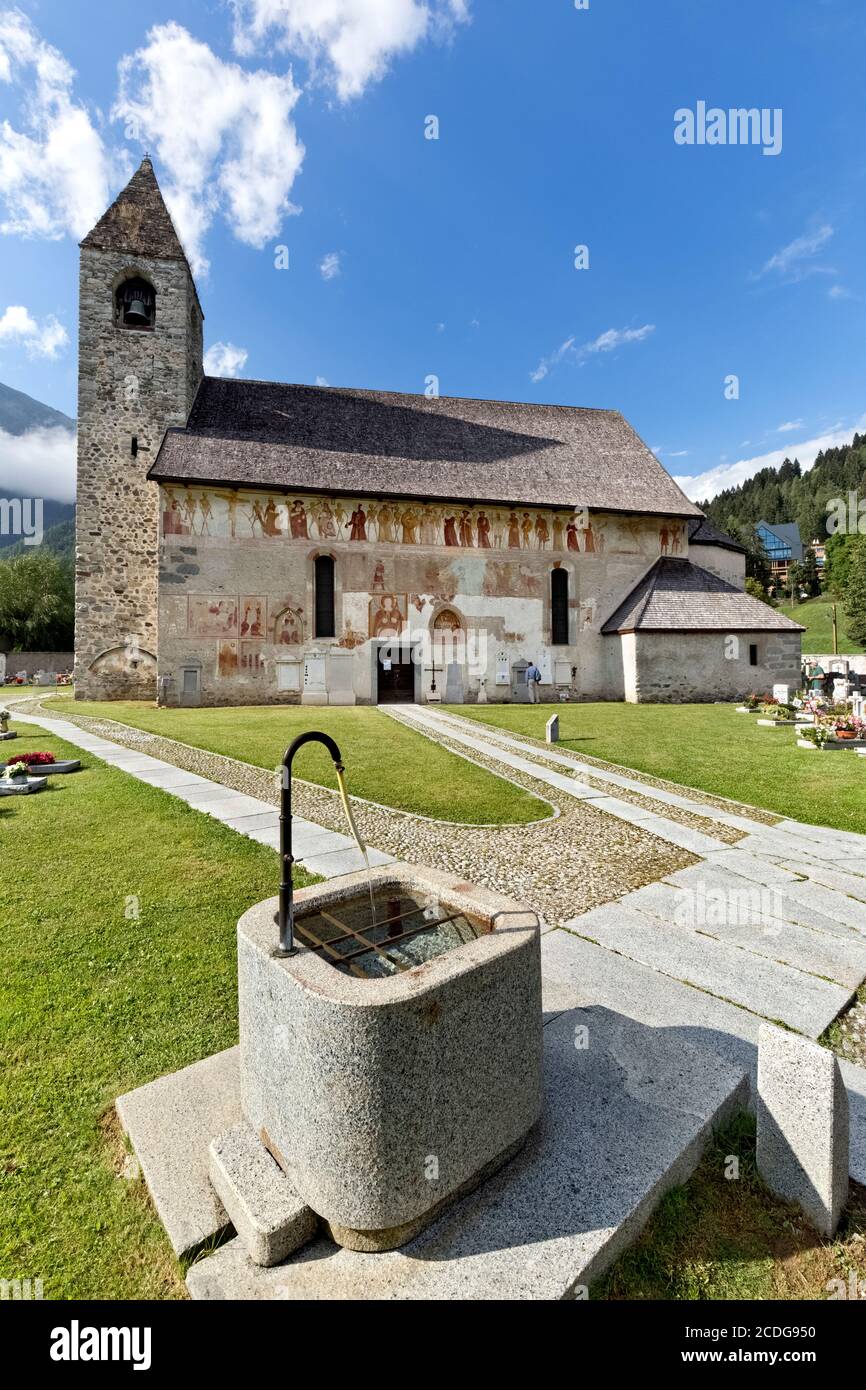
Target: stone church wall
{"points": [[685, 667], [729, 565], [237, 603]]}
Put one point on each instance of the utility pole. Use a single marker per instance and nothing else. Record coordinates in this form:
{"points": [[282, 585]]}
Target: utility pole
{"points": [[835, 633]]}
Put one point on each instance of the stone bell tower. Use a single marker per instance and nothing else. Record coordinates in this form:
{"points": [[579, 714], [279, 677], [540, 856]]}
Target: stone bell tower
{"points": [[139, 367]]}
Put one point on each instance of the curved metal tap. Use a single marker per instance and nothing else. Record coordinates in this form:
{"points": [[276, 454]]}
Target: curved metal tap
{"points": [[286, 914]]}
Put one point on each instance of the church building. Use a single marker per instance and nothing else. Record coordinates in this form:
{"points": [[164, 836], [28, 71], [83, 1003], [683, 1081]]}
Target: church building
{"points": [[249, 542]]}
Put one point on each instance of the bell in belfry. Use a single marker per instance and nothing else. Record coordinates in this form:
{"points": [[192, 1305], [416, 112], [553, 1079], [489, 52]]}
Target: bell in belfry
{"points": [[136, 311]]}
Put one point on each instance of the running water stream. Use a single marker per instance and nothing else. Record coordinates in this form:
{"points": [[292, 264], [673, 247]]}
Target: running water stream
{"points": [[356, 835]]}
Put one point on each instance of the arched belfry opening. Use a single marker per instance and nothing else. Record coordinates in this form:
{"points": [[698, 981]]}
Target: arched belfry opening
{"points": [[136, 304]]}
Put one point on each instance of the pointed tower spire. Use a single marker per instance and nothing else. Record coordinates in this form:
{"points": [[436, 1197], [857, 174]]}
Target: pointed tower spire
{"points": [[138, 221]]}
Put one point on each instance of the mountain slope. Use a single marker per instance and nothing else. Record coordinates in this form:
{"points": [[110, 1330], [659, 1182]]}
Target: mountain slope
{"points": [[20, 413]]}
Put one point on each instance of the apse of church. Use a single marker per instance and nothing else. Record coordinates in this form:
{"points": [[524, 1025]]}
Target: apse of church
{"points": [[464, 593]]}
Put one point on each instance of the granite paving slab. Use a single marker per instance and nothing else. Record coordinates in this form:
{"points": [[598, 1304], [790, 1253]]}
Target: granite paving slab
{"points": [[577, 972], [170, 1123], [773, 898], [743, 924], [626, 1118], [765, 987]]}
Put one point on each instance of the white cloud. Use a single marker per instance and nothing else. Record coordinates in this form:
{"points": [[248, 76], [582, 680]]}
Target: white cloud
{"points": [[678, 453], [838, 292], [605, 342], [789, 426], [714, 480], [223, 136], [320, 381], [795, 260], [352, 40], [225, 359], [330, 265], [55, 172], [19, 325], [40, 463]]}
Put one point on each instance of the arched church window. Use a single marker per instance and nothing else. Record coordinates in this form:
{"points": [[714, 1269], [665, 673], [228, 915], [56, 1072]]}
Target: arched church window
{"points": [[559, 607], [136, 304], [324, 596]]}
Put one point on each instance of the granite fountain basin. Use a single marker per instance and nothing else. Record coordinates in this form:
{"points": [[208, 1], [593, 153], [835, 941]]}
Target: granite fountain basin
{"points": [[388, 1082]]}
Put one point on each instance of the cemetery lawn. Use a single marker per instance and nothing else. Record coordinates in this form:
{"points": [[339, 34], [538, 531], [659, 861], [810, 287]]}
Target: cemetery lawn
{"points": [[94, 1002], [707, 747], [816, 615], [719, 1238], [385, 761]]}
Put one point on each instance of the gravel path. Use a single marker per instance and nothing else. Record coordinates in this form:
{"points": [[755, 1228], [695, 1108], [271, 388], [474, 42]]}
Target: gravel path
{"points": [[577, 859]]}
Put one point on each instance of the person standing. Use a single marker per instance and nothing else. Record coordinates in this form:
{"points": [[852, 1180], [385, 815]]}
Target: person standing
{"points": [[533, 680]]}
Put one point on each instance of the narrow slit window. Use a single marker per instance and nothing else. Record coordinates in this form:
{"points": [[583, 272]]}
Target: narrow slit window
{"points": [[324, 584], [559, 607], [753, 654]]}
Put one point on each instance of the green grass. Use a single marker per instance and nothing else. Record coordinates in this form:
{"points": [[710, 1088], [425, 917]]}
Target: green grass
{"points": [[720, 1237], [709, 747], [816, 615], [385, 761], [94, 1002]]}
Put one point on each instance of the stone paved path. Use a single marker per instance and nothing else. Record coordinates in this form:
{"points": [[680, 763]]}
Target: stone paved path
{"points": [[757, 918], [771, 927], [316, 849]]}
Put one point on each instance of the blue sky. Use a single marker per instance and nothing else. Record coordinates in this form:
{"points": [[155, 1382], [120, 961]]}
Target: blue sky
{"points": [[454, 258]]}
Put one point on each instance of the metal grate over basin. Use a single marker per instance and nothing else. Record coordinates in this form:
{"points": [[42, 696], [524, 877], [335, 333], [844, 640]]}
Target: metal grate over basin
{"points": [[409, 929]]}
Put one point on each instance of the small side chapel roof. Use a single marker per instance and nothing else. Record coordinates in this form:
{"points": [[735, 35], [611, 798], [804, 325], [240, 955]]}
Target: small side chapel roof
{"points": [[677, 596], [703, 532], [265, 434]]}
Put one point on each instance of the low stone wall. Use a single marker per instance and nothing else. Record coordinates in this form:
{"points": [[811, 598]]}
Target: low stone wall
{"points": [[31, 662], [829, 662]]}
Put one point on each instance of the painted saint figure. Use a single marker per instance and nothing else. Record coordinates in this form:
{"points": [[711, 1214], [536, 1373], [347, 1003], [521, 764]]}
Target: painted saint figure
{"points": [[409, 522], [451, 531], [513, 532], [482, 527], [359, 524], [271, 522], [298, 521], [387, 620], [385, 523]]}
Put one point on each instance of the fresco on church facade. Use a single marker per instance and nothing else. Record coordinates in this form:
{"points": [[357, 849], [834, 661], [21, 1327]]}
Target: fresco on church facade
{"points": [[227, 659], [387, 615], [253, 615], [289, 627], [212, 615], [221, 514], [251, 661]]}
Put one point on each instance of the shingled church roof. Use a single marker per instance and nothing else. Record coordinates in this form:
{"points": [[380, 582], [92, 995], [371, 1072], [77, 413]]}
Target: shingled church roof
{"points": [[677, 596], [138, 221], [263, 434]]}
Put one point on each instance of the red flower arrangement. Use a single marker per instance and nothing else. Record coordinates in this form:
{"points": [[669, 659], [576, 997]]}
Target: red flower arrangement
{"points": [[35, 759]]}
